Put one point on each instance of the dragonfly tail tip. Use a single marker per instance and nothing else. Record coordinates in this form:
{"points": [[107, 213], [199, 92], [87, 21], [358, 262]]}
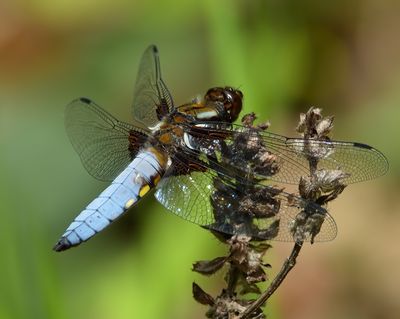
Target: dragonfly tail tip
{"points": [[62, 244]]}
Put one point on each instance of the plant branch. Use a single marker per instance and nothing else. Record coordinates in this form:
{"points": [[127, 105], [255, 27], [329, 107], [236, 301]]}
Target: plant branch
{"points": [[286, 268]]}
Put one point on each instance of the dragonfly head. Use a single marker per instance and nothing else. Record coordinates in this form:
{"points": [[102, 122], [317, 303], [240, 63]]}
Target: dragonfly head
{"points": [[229, 97]]}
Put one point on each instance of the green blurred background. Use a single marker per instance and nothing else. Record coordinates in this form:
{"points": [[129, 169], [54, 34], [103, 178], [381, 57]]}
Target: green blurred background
{"points": [[284, 55]]}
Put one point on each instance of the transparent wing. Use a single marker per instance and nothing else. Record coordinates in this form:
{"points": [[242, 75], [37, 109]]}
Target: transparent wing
{"points": [[104, 144], [196, 191], [289, 158], [151, 100], [188, 196], [359, 161]]}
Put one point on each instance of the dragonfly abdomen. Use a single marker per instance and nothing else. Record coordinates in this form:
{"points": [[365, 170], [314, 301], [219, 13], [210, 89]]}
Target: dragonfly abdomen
{"points": [[142, 174]]}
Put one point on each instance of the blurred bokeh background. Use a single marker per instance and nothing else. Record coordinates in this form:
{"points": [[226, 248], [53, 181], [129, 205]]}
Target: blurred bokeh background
{"points": [[285, 56]]}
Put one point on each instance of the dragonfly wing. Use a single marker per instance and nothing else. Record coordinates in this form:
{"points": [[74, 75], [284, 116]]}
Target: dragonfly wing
{"points": [[197, 191], [304, 220], [360, 162], [288, 159], [105, 145], [186, 188], [151, 100]]}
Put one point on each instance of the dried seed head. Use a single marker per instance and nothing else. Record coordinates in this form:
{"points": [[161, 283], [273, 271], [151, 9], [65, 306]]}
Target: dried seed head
{"points": [[248, 258], [231, 307], [313, 126], [248, 119], [306, 225], [324, 127]]}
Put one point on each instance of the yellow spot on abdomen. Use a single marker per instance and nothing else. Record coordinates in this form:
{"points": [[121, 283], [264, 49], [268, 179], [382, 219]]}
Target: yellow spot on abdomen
{"points": [[143, 191], [129, 203]]}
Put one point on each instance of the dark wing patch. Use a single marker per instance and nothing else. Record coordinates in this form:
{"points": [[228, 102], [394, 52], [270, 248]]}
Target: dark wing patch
{"points": [[104, 144]]}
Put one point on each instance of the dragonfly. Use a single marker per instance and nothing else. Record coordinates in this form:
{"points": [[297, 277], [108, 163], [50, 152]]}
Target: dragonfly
{"points": [[198, 161]]}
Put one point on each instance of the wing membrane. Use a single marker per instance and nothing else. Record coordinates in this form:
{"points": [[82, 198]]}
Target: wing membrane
{"points": [[151, 100], [104, 144], [361, 162], [201, 194], [291, 156]]}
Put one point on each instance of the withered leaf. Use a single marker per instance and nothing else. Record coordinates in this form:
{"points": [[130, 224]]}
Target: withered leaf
{"points": [[209, 267], [201, 296]]}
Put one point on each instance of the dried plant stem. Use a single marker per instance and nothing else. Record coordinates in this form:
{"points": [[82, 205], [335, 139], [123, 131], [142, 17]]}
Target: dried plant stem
{"points": [[286, 268]]}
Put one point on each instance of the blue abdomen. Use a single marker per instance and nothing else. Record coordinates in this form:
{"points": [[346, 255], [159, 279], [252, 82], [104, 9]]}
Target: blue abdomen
{"points": [[133, 183]]}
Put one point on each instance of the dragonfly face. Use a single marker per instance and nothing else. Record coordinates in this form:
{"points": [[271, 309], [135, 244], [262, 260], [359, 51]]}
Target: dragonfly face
{"points": [[204, 168], [229, 97]]}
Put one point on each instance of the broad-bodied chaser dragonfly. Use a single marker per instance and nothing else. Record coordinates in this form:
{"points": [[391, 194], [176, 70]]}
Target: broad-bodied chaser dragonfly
{"points": [[198, 161]]}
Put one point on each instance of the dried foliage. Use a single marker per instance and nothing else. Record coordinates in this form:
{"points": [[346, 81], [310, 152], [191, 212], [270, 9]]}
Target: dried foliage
{"points": [[246, 204]]}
